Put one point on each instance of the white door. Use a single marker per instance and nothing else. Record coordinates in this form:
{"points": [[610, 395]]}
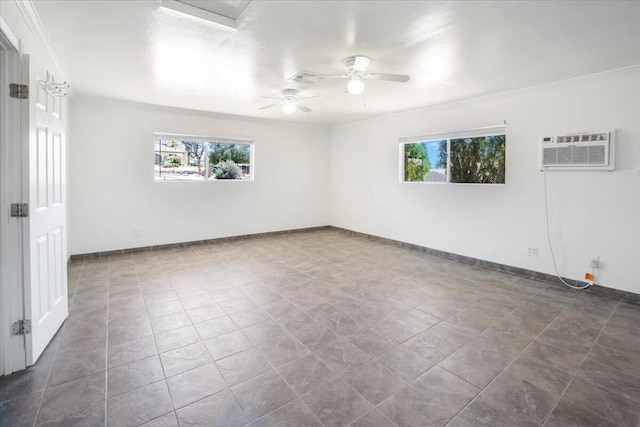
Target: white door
{"points": [[47, 272], [14, 114]]}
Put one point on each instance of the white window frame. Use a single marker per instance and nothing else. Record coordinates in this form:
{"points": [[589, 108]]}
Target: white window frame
{"points": [[244, 140], [448, 136]]}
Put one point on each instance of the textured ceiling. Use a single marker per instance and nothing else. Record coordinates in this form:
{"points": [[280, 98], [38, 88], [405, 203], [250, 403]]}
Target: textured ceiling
{"points": [[135, 50]]}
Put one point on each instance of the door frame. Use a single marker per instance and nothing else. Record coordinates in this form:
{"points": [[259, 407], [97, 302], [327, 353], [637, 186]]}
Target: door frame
{"points": [[14, 139]]}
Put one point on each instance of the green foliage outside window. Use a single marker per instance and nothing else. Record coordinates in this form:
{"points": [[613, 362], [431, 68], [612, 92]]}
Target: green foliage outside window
{"points": [[237, 153], [416, 162], [479, 160], [227, 169], [471, 160], [195, 150]]}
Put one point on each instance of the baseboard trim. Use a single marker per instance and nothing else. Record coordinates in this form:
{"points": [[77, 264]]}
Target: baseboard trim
{"points": [[104, 254], [626, 296]]}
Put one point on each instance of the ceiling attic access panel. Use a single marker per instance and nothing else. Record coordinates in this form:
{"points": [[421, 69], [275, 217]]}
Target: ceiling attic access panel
{"points": [[225, 12]]}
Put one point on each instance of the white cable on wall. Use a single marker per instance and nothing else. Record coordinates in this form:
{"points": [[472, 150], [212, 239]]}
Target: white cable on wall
{"points": [[553, 256]]}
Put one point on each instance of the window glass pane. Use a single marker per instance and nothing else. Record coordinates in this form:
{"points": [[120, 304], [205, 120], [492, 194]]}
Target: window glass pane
{"points": [[425, 161], [478, 160], [179, 160], [229, 161]]}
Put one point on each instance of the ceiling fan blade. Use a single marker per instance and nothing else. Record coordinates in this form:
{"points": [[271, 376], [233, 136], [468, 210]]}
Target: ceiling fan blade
{"points": [[307, 97], [272, 105], [303, 108], [307, 76], [402, 78], [272, 97]]}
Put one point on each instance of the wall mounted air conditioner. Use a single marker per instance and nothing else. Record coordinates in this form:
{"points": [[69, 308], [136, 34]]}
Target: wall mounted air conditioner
{"points": [[578, 151]]}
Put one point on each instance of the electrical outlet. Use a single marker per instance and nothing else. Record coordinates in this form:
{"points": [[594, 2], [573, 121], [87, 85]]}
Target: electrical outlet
{"points": [[533, 252], [595, 263], [137, 232]]}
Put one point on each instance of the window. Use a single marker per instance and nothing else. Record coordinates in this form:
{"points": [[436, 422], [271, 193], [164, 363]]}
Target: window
{"points": [[466, 157], [186, 158]]}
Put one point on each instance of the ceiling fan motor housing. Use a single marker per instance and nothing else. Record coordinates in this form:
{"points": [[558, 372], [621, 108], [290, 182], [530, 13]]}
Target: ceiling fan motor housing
{"points": [[357, 63], [290, 94]]}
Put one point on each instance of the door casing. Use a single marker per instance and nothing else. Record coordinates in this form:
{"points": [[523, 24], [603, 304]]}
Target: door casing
{"points": [[14, 134]]}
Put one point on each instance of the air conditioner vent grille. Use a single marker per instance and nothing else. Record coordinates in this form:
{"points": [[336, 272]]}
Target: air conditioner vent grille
{"points": [[564, 155], [549, 156], [580, 155], [570, 156], [597, 155], [592, 150]]}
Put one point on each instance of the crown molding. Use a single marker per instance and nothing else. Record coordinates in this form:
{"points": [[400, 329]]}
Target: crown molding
{"points": [[632, 69], [32, 19]]}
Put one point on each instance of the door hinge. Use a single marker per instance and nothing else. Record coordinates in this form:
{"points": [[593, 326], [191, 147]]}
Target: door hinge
{"points": [[19, 210], [18, 91], [21, 327]]}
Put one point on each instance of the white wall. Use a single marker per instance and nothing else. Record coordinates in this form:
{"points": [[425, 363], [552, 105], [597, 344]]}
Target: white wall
{"points": [[112, 190], [592, 213], [352, 181]]}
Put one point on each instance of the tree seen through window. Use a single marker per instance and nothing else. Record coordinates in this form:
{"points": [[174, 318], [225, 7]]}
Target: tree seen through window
{"points": [[469, 160]]}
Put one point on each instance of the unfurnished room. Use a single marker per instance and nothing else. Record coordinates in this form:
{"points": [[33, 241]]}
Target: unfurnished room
{"points": [[318, 213]]}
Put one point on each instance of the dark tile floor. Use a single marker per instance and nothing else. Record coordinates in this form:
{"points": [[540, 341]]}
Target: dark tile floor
{"points": [[323, 329]]}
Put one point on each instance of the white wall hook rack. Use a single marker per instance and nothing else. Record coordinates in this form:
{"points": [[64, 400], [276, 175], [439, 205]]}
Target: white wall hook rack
{"points": [[56, 89]]}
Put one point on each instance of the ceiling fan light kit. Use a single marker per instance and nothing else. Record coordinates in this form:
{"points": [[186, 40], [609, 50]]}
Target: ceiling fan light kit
{"points": [[289, 107], [355, 70], [290, 102], [355, 85]]}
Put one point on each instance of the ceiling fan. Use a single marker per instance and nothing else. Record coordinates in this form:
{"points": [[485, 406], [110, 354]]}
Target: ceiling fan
{"points": [[289, 101], [355, 69]]}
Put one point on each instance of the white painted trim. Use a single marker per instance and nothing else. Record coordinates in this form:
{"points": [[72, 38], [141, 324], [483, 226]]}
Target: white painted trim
{"points": [[32, 19], [24, 191], [244, 12], [222, 138], [81, 97], [462, 133], [196, 12], [8, 35], [497, 95], [12, 171]]}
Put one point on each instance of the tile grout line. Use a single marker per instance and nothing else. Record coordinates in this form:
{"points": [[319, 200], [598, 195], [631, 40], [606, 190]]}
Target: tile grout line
{"points": [[407, 383], [437, 364], [106, 361], [311, 352], [273, 368], [139, 286], [510, 363], [347, 313], [289, 268], [581, 363], [200, 341], [155, 344], [106, 371], [213, 360], [157, 354], [370, 358], [174, 288], [301, 396], [55, 354]]}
